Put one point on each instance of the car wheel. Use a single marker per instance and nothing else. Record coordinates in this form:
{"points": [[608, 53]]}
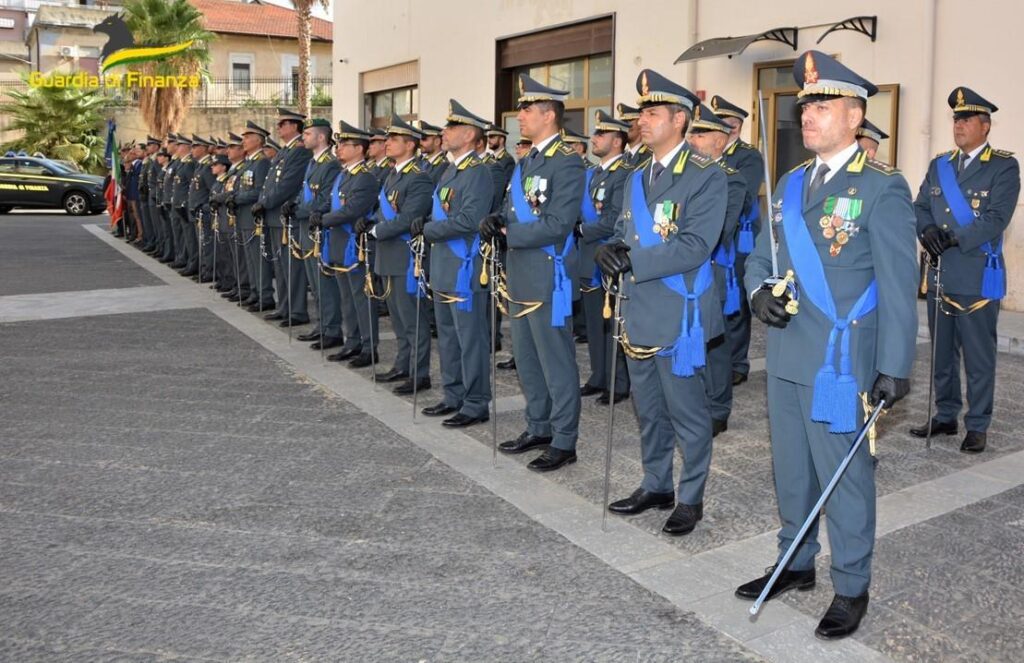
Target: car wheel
{"points": [[4, 209], [75, 203]]}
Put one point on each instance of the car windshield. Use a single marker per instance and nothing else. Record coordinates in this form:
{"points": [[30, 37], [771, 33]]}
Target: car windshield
{"points": [[57, 166]]}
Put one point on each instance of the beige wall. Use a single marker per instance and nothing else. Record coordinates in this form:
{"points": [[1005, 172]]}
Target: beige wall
{"points": [[653, 33], [205, 121]]}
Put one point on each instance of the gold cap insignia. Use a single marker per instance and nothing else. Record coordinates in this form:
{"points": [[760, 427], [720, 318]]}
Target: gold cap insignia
{"points": [[960, 97], [810, 72], [696, 114], [714, 103], [522, 88], [644, 88]]}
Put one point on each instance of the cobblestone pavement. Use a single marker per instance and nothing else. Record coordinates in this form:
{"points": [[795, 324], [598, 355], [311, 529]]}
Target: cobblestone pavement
{"points": [[170, 488]]}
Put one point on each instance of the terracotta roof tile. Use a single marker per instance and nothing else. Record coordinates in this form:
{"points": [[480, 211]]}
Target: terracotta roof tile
{"points": [[257, 19]]}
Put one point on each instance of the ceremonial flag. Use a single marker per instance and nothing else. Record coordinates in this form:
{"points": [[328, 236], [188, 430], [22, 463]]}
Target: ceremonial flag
{"points": [[113, 193]]}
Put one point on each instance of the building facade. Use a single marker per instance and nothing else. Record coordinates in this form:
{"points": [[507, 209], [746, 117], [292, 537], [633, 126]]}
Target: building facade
{"points": [[410, 57]]}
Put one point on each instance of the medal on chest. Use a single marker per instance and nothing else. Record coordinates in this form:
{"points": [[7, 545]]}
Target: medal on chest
{"points": [[536, 192], [837, 222], [599, 198], [665, 215], [393, 199]]}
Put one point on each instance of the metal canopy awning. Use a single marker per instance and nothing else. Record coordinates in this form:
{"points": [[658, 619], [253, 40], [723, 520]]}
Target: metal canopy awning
{"points": [[730, 46]]}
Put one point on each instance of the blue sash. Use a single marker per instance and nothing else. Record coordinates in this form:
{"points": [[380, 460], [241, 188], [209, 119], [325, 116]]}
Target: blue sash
{"points": [[457, 245], [307, 193], [589, 214], [745, 239], [387, 210], [688, 351], [351, 248], [835, 396], [725, 256], [561, 293], [993, 282]]}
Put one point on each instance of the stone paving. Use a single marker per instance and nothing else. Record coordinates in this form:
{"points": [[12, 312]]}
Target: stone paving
{"points": [[169, 489]]}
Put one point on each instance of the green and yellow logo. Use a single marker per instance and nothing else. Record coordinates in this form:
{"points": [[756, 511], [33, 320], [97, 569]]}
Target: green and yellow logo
{"points": [[121, 50]]}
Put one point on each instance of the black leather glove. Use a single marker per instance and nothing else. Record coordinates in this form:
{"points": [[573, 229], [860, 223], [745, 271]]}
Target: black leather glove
{"points": [[613, 258], [257, 208], [289, 207], [889, 388], [214, 205], [950, 239], [316, 219], [416, 227], [769, 309], [362, 225], [232, 205], [490, 227], [933, 239]]}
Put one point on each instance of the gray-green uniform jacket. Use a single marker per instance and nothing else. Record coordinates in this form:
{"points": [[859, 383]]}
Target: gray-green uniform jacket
{"points": [[284, 180], [605, 191], [315, 194], [182, 181], [409, 192], [250, 177]]}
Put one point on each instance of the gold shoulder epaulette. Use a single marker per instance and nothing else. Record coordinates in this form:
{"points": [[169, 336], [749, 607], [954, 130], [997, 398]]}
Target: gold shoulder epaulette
{"points": [[801, 165], [744, 145], [615, 166], [358, 169], [728, 169], [564, 149], [411, 167], [469, 162], [881, 167], [1006, 154]]}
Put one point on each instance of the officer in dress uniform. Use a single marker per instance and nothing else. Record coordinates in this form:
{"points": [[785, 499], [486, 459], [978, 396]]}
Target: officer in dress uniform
{"points": [[377, 159], [405, 196], [271, 148], [869, 137], [252, 176], [709, 136], [433, 159], [523, 146], [219, 166], [496, 137], [537, 225], [167, 208], [315, 197], [845, 227], [461, 199], [578, 142], [165, 250], [276, 203], [742, 156], [153, 232], [963, 208], [225, 281], [199, 209], [353, 197], [636, 152], [179, 203], [602, 202], [674, 208]]}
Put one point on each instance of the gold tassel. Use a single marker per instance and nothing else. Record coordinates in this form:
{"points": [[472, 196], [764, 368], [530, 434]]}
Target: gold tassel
{"points": [[606, 312], [484, 279]]}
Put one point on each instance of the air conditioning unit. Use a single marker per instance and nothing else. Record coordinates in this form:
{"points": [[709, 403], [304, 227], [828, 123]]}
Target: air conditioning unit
{"points": [[67, 51]]}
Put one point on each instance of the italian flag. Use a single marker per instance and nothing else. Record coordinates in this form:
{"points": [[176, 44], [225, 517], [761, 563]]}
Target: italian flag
{"points": [[115, 201]]}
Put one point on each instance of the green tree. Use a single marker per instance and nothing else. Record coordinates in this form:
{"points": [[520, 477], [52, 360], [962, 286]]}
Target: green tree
{"points": [[163, 23], [62, 123]]}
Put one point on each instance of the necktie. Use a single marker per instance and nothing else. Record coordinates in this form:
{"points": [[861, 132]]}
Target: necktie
{"points": [[818, 179], [656, 172], [961, 163]]}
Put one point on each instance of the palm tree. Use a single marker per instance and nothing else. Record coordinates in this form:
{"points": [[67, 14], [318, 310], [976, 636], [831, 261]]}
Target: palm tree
{"points": [[62, 123], [162, 23], [304, 16]]}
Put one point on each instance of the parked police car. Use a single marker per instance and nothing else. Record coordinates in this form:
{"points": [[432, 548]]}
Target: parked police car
{"points": [[37, 182]]}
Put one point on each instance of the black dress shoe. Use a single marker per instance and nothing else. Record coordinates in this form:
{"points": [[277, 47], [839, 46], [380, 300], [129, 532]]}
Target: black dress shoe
{"points": [[394, 375], [442, 409], [294, 323], [524, 442], [683, 519], [718, 426], [842, 617], [462, 420], [974, 442], [641, 501], [309, 336], [177, 265], [738, 378], [344, 354], [603, 398], [274, 315], [589, 390], [190, 272], [938, 428], [230, 294], [551, 460], [328, 343], [406, 389], [252, 307], [363, 360], [507, 365], [802, 580], [165, 259]]}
